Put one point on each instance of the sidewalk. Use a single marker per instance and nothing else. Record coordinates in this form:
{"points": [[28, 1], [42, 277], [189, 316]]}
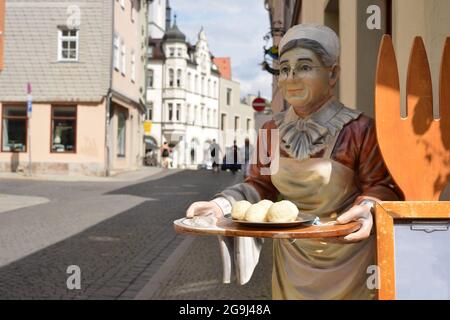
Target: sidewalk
{"points": [[13, 202], [128, 176]]}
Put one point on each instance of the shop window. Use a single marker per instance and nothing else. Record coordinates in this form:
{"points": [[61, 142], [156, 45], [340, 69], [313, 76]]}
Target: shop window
{"points": [[121, 133], [14, 129], [64, 124]]}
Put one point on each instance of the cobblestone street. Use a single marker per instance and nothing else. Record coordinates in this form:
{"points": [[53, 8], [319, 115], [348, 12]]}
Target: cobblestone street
{"points": [[121, 236]]}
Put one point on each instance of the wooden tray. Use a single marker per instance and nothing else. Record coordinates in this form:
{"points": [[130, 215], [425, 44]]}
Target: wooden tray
{"points": [[225, 227]]}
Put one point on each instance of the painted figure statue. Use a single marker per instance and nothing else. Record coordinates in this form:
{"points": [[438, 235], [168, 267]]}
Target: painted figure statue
{"points": [[329, 163]]}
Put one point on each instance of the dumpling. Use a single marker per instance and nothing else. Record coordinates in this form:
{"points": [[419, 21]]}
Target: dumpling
{"points": [[239, 209], [283, 211], [256, 213], [266, 204]]}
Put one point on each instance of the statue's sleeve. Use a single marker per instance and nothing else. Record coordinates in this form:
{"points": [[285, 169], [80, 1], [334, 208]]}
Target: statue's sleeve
{"points": [[373, 176], [257, 186]]}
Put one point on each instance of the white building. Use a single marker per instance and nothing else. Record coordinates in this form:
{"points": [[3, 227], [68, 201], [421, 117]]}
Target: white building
{"points": [[182, 91], [237, 118]]}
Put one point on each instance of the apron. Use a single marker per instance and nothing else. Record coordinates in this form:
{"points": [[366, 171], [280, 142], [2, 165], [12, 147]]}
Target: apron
{"points": [[307, 269]]}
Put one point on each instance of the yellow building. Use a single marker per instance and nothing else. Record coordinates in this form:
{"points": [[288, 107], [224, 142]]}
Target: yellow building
{"points": [[360, 25]]}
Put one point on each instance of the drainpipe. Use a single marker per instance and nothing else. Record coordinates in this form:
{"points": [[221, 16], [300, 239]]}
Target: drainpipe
{"points": [[107, 134], [108, 101]]}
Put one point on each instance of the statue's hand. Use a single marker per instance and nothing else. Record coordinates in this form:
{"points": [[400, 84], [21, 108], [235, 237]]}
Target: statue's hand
{"points": [[203, 208], [361, 213]]}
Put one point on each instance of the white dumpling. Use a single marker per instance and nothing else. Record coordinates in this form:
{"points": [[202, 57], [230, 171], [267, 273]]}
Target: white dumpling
{"points": [[256, 213], [266, 204], [283, 211], [239, 209]]}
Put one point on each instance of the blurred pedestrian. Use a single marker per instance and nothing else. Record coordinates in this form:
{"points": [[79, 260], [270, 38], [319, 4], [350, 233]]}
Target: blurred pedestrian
{"points": [[165, 153], [214, 151], [248, 152]]}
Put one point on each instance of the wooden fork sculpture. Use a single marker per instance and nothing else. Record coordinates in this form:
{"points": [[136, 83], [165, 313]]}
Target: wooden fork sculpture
{"points": [[416, 149]]}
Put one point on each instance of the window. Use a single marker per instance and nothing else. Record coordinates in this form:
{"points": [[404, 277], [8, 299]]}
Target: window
{"points": [[14, 130], [68, 45], [203, 86], [214, 123], [228, 97], [202, 116], [249, 122], [236, 123], [64, 129], [188, 113], [189, 81], [223, 121], [133, 13], [133, 66], [194, 118], [209, 87], [208, 118], [215, 89], [122, 4], [171, 77], [172, 52], [150, 51], [179, 75], [170, 112], [123, 58], [116, 52], [179, 52], [178, 112], [149, 112], [196, 83], [121, 133], [150, 78]]}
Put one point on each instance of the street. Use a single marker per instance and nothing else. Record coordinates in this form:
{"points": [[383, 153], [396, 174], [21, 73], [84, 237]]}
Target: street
{"points": [[120, 235]]}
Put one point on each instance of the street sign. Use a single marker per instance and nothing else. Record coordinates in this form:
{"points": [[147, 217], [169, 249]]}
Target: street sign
{"points": [[29, 107], [147, 127], [259, 104], [29, 101]]}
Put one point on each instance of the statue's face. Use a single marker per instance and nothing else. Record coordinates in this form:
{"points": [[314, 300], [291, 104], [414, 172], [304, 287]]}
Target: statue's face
{"points": [[303, 79]]}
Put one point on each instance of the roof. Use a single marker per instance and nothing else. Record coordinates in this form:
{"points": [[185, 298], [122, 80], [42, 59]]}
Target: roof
{"points": [[224, 65], [174, 34], [158, 53]]}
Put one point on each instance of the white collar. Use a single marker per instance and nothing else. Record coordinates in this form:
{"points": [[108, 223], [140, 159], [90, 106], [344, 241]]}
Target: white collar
{"points": [[303, 137]]}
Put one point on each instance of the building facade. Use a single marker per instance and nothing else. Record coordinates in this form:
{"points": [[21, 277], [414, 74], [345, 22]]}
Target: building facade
{"points": [[237, 117], [182, 91], [360, 38], [85, 65]]}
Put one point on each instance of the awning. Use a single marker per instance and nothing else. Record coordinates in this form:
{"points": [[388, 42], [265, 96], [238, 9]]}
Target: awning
{"points": [[150, 144]]}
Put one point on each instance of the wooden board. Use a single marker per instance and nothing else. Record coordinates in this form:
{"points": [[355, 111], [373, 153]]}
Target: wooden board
{"points": [[386, 213], [225, 227]]}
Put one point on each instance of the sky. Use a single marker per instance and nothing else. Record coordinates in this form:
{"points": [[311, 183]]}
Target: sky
{"points": [[235, 29]]}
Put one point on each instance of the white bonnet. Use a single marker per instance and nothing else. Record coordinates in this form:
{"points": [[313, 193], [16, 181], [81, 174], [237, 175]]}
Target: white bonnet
{"points": [[320, 33]]}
